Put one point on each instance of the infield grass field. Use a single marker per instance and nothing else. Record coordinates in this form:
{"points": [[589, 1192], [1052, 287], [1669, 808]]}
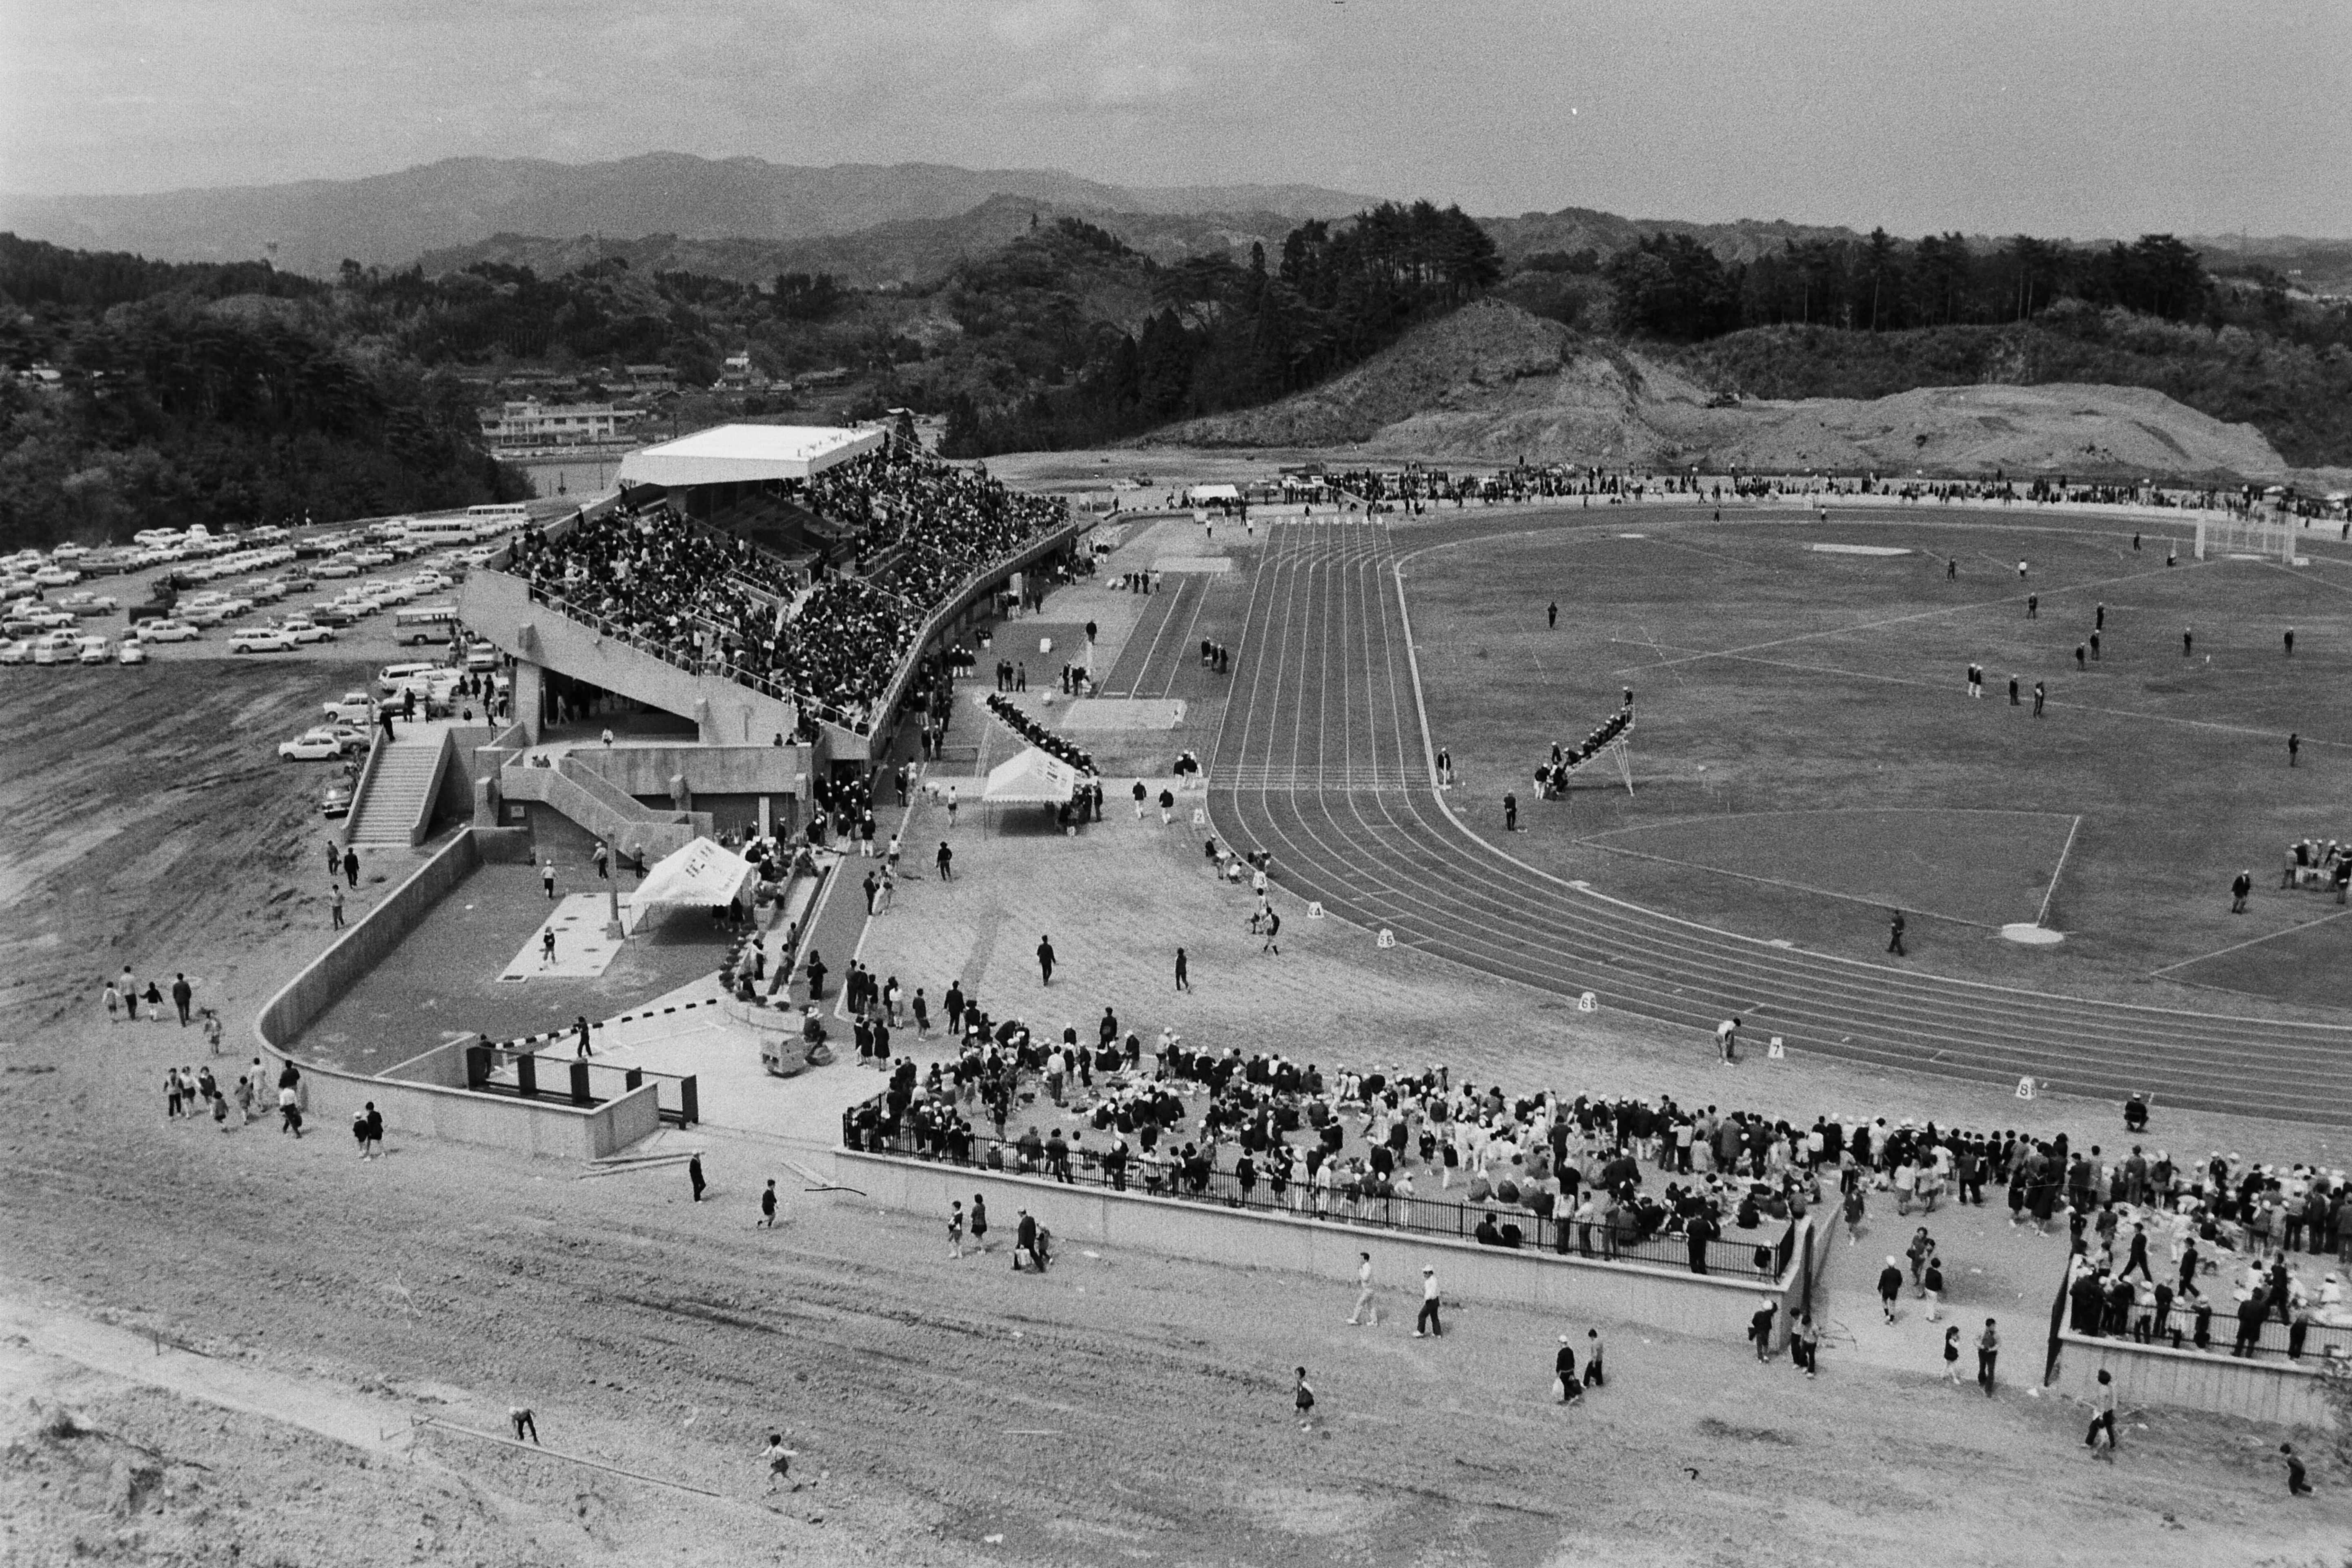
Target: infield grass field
{"points": [[1807, 756]]}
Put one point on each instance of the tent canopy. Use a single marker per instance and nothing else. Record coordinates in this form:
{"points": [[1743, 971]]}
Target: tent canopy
{"points": [[1213, 492], [727, 454], [702, 874], [1033, 778]]}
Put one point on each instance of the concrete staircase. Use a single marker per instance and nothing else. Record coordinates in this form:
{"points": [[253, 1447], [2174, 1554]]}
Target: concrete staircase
{"points": [[395, 797]]}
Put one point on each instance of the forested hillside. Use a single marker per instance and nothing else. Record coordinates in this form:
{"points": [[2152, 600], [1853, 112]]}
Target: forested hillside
{"points": [[215, 394]]}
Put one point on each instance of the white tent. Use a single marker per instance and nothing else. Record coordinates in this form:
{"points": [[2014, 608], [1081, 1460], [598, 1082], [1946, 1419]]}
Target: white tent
{"points": [[1201, 494], [1033, 778], [730, 453], [702, 875]]}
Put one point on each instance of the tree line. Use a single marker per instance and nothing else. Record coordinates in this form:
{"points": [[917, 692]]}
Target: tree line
{"points": [[1669, 286], [223, 395]]}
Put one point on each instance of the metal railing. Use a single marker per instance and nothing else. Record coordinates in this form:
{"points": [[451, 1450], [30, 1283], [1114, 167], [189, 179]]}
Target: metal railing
{"points": [[1763, 1253]]}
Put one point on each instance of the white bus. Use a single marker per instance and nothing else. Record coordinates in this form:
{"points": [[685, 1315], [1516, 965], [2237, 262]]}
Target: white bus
{"points": [[421, 623], [501, 518], [431, 531]]}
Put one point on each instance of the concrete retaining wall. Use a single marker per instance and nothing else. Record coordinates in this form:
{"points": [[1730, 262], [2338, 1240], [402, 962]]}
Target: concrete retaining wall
{"points": [[1706, 1305], [2279, 1392], [419, 1096]]}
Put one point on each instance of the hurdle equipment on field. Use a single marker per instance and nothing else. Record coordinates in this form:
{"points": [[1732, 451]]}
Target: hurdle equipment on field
{"points": [[1610, 737]]}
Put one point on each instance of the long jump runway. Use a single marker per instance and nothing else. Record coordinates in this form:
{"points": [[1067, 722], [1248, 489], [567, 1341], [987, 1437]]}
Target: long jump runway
{"points": [[1323, 760]]}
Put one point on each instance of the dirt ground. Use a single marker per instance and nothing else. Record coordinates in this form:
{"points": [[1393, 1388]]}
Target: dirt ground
{"points": [[314, 1309]]}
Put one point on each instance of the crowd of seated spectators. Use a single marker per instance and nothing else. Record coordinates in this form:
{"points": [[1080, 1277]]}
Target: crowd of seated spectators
{"points": [[1050, 741], [831, 641], [1552, 777], [1601, 1177]]}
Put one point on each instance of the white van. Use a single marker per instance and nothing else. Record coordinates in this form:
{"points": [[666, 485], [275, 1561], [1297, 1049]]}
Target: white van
{"points": [[393, 678]]}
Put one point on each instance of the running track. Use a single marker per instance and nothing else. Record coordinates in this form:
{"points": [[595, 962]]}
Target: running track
{"points": [[1323, 760]]}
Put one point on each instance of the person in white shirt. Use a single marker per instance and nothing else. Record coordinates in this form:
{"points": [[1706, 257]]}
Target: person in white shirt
{"points": [[1365, 1307]]}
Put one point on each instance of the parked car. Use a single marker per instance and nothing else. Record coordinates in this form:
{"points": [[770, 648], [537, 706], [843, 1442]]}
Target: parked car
{"points": [[132, 651], [319, 744], [332, 615], [168, 629], [56, 648], [335, 800], [16, 650], [94, 650], [340, 566], [260, 639], [303, 630], [85, 603], [351, 707], [57, 577]]}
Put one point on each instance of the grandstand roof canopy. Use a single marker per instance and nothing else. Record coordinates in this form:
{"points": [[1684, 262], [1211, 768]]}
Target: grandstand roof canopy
{"points": [[727, 454]]}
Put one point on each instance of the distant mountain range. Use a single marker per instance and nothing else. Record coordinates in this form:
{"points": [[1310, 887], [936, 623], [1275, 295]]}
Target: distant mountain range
{"points": [[868, 223], [391, 219], [910, 250]]}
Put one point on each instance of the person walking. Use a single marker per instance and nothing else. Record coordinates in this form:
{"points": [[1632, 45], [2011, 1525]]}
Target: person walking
{"points": [[1931, 1286], [955, 1229], [2103, 1418], [1988, 1353], [1427, 1321], [1594, 1377], [351, 867], [2239, 886], [2290, 642], [2012, 692], [1759, 1329], [1365, 1307], [1952, 1355], [547, 948], [1025, 1243], [1565, 1387], [1273, 932], [1511, 814], [181, 994], [114, 999], [1805, 1344], [2040, 692], [335, 905], [1890, 1286], [1895, 929], [547, 876], [2294, 747], [946, 860], [604, 862], [1044, 961], [1183, 971], [1551, 615], [768, 1206], [1302, 1399], [2298, 1478], [694, 1175], [978, 1222], [951, 807]]}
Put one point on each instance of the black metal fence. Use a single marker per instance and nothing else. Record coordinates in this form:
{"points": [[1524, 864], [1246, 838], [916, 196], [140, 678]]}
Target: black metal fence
{"points": [[1761, 1253]]}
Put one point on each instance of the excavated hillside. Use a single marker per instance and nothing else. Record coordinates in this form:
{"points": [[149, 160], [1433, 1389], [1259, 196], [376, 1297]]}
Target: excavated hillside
{"points": [[1493, 383]]}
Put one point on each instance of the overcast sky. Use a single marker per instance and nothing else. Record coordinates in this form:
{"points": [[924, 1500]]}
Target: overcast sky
{"points": [[2059, 116]]}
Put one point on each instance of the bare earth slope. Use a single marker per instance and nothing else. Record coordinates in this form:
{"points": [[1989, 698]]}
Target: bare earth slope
{"points": [[1494, 383]]}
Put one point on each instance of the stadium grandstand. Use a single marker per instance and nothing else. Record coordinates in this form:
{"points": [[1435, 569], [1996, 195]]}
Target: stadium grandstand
{"points": [[791, 589]]}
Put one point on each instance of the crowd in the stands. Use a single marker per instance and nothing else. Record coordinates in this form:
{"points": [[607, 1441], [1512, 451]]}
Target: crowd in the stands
{"points": [[831, 638]]}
